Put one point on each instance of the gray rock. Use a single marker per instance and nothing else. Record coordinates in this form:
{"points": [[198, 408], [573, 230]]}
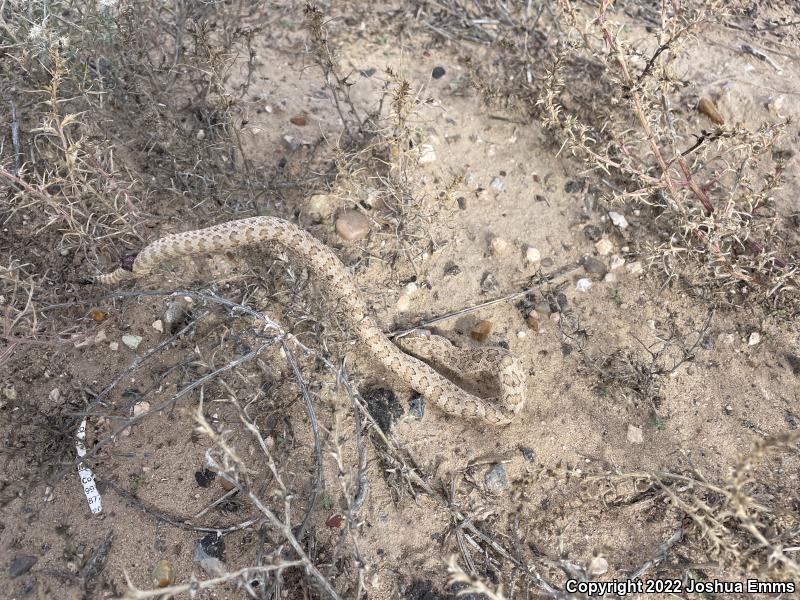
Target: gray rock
{"points": [[489, 282], [416, 407], [594, 266], [132, 341], [496, 478], [451, 269], [21, 565], [592, 233]]}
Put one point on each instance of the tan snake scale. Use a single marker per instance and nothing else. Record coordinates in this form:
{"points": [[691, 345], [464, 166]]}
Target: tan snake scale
{"points": [[494, 366]]}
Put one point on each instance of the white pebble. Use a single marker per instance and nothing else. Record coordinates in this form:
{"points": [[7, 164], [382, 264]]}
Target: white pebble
{"points": [[635, 268], [499, 246], [604, 247], [427, 154], [55, 394], [141, 407], [403, 302], [320, 207], [158, 325], [635, 435], [598, 566], [617, 262], [113, 346], [584, 284], [618, 219], [610, 278], [132, 341], [754, 339], [521, 334], [532, 255]]}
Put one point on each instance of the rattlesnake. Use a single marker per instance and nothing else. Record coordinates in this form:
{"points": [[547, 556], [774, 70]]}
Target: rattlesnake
{"points": [[488, 365]]}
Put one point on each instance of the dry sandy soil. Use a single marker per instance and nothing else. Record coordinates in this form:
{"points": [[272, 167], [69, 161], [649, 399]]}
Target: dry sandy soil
{"points": [[649, 405]]}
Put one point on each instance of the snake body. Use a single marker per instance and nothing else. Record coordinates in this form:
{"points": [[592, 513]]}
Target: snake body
{"points": [[493, 365]]}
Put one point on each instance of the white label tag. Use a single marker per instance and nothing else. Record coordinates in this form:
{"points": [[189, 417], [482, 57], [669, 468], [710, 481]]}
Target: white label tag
{"points": [[86, 475]]}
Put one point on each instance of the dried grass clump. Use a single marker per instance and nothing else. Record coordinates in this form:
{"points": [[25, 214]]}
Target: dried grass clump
{"points": [[711, 196], [107, 103]]}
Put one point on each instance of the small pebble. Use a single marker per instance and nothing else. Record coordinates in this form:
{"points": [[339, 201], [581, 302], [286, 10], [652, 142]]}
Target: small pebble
{"points": [[132, 341], [528, 453], [635, 268], [98, 315], [21, 565], [532, 255], [754, 339], [726, 339], [427, 154], [140, 408], [481, 330], [496, 478], [320, 207], [521, 334], [438, 72], [55, 395], [635, 435], [584, 284], [555, 317], [352, 225], [403, 303], [204, 477], [489, 282], [113, 346], [158, 325], [598, 566], [416, 406], [533, 321], [163, 573], [298, 120], [335, 521], [497, 184], [451, 269], [618, 219], [610, 278], [543, 307], [498, 246], [604, 247], [617, 262], [547, 262], [594, 266], [592, 232], [10, 392]]}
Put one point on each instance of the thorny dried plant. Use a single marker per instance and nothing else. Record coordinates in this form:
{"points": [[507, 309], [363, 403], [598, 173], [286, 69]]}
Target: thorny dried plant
{"points": [[642, 368], [376, 160], [711, 199], [606, 80], [97, 94]]}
